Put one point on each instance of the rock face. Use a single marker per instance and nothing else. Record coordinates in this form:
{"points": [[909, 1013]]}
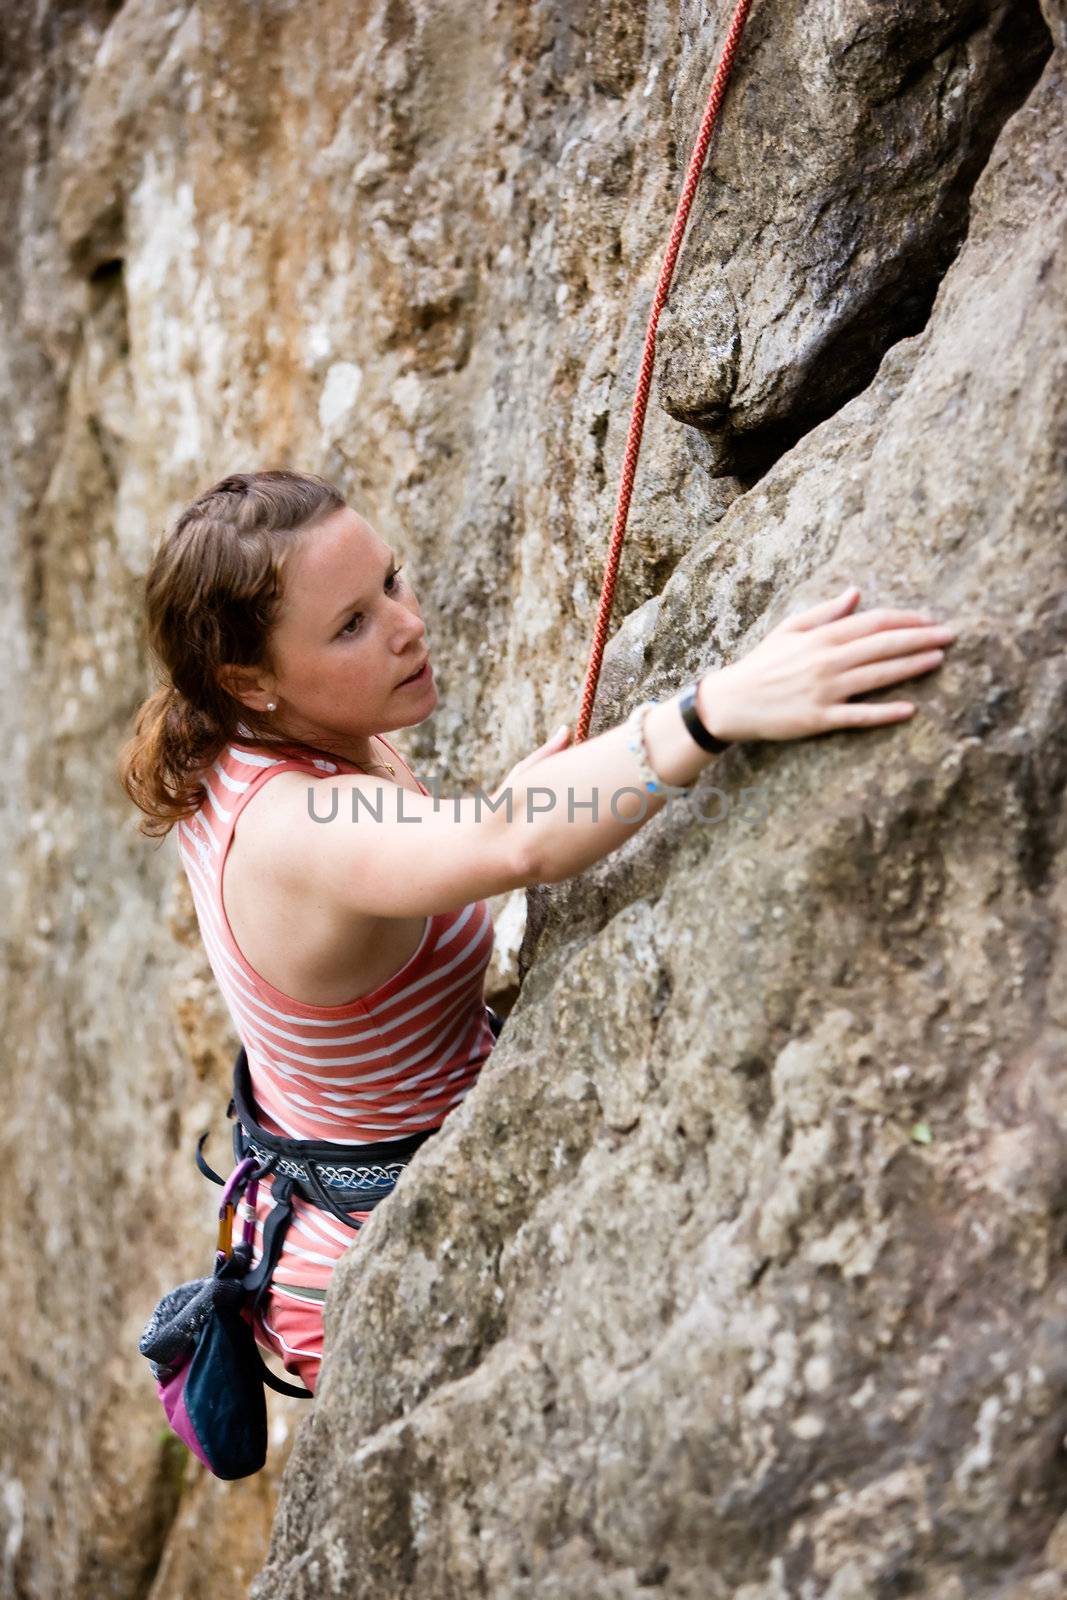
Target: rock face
{"points": [[741, 1272], [833, 205]]}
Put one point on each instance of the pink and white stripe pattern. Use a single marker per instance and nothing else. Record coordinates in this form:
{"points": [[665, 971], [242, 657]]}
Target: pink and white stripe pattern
{"points": [[393, 1061]]}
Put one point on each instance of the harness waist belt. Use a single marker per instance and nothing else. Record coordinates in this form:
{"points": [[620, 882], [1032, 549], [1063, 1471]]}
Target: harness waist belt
{"points": [[338, 1178], [376, 1177]]}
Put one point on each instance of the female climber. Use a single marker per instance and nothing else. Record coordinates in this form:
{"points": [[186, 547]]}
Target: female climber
{"points": [[341, 904]]}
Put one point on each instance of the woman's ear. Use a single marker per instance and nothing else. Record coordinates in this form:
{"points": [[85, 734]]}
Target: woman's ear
{"points": [[248, 685]]}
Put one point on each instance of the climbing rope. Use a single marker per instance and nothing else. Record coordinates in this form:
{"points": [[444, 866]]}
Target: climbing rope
{"points": [[644, 381]]}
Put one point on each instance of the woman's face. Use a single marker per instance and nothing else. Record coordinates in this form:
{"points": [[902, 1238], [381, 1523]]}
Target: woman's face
{"points": [[348, 632]]}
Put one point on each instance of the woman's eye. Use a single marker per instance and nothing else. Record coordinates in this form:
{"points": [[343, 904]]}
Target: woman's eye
{"points": [[351, 627]]}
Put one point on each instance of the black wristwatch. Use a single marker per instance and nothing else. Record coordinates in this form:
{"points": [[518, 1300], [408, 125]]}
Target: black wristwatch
{"points": [[691, 717]]}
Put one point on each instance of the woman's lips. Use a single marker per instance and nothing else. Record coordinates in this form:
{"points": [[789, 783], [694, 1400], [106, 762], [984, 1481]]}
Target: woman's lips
{"points": [[417, 677]]}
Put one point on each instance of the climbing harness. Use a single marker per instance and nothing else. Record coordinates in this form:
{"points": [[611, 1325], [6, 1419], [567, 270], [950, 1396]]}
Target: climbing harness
{"points": [[644, 380], [199, 1340], [338, 1178]]}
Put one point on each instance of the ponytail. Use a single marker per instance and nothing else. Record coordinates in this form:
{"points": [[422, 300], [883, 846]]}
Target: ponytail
{"points": [[211, 597]]}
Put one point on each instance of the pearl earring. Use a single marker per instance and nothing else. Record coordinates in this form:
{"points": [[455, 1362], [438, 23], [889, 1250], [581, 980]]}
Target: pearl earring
{"points": [[272, 705]]}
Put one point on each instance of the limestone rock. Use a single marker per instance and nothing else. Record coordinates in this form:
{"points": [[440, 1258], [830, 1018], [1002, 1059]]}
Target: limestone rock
{"points": [[740, 1273], [833, 201]]}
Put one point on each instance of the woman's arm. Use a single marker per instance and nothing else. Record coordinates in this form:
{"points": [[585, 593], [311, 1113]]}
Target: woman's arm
{"points": [[369, 848], [796, 682]]}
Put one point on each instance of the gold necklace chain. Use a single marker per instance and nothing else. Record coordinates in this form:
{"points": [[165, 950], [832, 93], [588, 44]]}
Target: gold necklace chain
{"points": [[388, 765]]}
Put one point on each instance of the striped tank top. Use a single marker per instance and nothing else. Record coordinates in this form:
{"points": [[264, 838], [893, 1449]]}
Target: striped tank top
{"points": [[391, 1062]]}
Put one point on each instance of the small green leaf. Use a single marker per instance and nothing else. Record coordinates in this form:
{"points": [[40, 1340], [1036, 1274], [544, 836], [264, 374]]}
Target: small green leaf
{"points": [[921, 1133]]}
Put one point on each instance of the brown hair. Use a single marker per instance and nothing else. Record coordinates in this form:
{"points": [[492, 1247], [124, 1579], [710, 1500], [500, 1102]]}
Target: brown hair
{"points": [[212, 595]]}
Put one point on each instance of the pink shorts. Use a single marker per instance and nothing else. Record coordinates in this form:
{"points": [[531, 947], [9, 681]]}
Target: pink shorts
{"points": [[292, 1329]]}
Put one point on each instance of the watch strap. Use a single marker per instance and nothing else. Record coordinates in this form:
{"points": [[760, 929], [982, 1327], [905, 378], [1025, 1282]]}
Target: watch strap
{"points": [[707, 740]]}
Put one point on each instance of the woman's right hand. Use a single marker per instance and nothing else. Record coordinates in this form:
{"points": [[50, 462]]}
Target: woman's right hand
{"points": [[797, 681], [559, 741]]}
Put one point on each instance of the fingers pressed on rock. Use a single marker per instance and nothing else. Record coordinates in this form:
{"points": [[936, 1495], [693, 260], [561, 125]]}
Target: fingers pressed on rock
{"points": [[891, 642], [868, 714], [824, 612], [859, 680]]}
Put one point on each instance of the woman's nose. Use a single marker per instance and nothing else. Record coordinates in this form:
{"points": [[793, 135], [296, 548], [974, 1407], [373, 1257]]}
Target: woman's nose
{"points": [[413, 628]]}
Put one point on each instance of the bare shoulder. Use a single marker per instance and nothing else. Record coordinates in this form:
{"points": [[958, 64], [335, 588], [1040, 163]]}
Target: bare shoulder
{"points": [[284, 826], [274, 799], [278, 824]]}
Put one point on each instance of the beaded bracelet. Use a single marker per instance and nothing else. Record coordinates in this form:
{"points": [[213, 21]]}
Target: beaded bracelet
{"points": [[635, 743]]}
